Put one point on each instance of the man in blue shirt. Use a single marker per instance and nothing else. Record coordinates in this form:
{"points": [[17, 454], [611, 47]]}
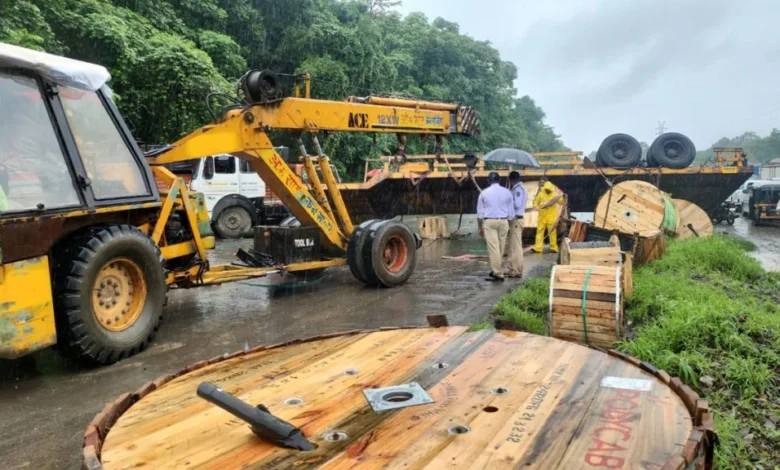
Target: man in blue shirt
{"points": [[495, 207], [515, 255]]}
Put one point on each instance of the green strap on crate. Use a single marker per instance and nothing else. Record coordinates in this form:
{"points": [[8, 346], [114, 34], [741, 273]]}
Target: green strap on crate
{"points": [[670, 215], [584, 303]]}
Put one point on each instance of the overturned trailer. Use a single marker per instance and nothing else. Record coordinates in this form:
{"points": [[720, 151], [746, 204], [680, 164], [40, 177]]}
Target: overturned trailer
{"points": [[427, 185]]}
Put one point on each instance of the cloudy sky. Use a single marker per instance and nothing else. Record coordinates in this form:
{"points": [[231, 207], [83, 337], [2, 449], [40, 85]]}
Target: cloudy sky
{"points": [[707, 68]]}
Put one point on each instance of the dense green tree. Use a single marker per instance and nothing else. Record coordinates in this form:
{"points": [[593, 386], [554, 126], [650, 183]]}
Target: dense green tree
{"points": [[166, 56]]}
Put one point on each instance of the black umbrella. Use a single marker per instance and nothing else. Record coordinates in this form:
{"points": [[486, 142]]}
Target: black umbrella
{"points": [[511, 157]]}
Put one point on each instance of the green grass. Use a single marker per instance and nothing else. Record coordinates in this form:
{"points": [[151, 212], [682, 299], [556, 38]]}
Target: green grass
{"points": [[527, 306], [708, 313]]}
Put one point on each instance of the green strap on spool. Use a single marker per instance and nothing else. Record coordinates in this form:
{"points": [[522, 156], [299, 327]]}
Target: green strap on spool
{"points": [[670, 215], [584, 303]]}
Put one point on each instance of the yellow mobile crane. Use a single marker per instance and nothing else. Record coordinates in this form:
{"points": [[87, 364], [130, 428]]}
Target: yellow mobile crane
{"points": [[89, 245]]}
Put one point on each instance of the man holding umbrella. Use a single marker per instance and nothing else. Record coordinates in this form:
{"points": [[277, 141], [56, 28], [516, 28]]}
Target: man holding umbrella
{"points": [[495, 208]]}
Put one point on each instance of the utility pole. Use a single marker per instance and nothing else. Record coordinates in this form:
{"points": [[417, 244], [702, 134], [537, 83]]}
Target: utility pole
{"points": [[661, 128]]}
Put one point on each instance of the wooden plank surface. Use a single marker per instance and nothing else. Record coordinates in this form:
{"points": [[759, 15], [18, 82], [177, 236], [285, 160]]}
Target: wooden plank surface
{"points": [[552, 410], [630, 207]]}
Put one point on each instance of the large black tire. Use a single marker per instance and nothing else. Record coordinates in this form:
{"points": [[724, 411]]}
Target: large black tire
{"points": [[619, 151], [393, 254], [366, 243], [355, 251], [730, 218], [673, 150], [118, 264], [233, 222], [651, 161]]}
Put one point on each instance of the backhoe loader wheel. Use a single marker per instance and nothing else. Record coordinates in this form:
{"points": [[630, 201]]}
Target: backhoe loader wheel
{"points": [[393, 253], [355, 251], [109, 292]]}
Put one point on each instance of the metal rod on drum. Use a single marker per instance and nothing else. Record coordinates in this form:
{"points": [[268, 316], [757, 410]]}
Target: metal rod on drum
{"points": [[265, 425]]}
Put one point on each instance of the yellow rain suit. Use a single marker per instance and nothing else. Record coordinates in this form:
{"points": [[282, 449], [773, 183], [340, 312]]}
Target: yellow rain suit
{"points": [[548, 216]]}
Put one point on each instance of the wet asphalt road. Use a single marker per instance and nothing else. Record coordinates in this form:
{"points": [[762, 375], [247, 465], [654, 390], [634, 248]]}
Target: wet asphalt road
{"points": [[47, 402], [766, 239]]}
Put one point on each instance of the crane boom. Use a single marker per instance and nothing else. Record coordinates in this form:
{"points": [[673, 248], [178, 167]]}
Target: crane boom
{"points": [[243, 132]]}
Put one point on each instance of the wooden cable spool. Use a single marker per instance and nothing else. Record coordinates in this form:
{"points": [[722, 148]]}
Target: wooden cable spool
{"points": [[501, 399], [631, 207], [586, 304], [599, 253], [595, 253], [692, 220]]}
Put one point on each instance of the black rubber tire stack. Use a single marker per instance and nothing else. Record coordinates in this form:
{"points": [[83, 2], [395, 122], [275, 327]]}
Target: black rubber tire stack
{"points": [[671, 150], [76, 266], [382, 253], [619, 151]]}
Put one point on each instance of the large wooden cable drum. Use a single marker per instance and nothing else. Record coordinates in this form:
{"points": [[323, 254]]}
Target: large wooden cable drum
{"points": [[692, 220], [586, 304], [498, 399], [631, 207]]}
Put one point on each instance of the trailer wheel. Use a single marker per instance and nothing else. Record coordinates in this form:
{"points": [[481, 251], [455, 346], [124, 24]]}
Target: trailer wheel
{"points": [[366, 243], [393, 253], [673, 150], [619, 151], [355, 251], [233, 222], [109, 292]]}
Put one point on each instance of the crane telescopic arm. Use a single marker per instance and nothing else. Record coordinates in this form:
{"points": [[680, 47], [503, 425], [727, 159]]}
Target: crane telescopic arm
{"points": [[244, 132]]}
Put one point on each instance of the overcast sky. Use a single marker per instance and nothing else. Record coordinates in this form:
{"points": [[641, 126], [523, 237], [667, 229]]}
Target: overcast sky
{"points": [[708, 68]]}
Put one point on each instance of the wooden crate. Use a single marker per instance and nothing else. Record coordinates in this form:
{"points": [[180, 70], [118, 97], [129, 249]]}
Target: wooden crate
{"points": [[432, 228], [577, 231], [602, 322], [650, 248]]}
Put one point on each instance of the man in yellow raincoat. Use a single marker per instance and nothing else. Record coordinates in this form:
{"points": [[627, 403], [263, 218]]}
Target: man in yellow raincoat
{"points": [[547, 202]]}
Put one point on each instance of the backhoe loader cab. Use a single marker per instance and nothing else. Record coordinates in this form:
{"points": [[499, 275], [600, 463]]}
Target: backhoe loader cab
{"points": [[74, 188]]}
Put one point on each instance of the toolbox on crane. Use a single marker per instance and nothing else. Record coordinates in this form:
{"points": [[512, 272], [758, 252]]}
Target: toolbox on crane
{"points": [[287, 245]]}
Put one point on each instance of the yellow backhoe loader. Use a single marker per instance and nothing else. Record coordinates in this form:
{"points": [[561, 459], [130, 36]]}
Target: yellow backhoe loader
{"points": [[90, 245]]}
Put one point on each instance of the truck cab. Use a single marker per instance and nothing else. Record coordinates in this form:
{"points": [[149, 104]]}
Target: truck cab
{"points": [[236, 197]]}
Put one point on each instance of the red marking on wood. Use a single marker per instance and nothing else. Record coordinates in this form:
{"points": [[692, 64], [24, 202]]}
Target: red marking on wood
{"points": [[617, 418]]}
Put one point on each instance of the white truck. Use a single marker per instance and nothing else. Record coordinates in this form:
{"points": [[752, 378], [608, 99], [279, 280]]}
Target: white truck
{"points": [[236, 197]]}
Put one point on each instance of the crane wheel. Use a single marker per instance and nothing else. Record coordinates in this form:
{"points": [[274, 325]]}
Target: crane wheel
{"points": [[355, 251], [109, 292], [393, 253]]}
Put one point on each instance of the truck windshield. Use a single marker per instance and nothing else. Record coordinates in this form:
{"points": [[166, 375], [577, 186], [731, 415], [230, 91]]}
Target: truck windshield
{"points": [[110, 165], [33, 171]]}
